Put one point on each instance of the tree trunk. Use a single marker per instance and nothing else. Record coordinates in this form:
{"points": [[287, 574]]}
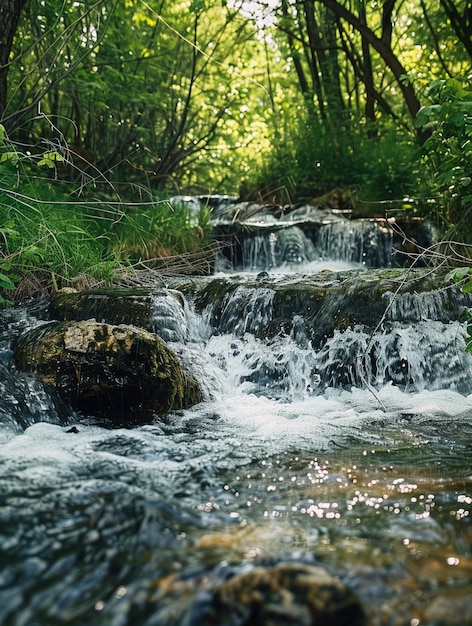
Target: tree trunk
{"points": [[9, 15], [367, 71], [462, 24], [383, 46]]}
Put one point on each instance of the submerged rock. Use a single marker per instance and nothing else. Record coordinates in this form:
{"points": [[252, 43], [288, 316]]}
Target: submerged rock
{"points": [[267, 595], [120, 372]]}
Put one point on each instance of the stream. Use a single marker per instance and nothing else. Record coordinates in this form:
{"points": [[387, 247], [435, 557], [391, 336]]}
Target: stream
{"points": [[136, 526]]}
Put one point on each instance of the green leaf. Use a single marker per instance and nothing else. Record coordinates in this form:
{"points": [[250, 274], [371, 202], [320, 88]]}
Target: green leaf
{"points": [[9, 156], [50, 159], [46, 162], [53, 156], [425, 114], [5, 282], [4, 302], [461, 273], [458, 119]]}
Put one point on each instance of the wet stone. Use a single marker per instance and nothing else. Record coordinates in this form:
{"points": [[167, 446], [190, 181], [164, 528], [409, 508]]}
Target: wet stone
{"points": [[284, 594], [113, 306], [123, 373]]}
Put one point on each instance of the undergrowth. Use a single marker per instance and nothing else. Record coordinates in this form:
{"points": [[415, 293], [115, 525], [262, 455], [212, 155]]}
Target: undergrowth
{"points": [[369, 165], [52, 238]]}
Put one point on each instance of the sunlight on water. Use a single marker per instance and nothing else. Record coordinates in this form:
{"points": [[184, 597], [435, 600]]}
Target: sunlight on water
{"points": [[295, 454]]}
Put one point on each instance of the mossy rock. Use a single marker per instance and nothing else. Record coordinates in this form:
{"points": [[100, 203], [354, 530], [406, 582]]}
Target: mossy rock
{"points": [[124, 373], [112, 306]]}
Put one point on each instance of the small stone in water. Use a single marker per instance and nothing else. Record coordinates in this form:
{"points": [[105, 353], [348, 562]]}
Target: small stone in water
{"points": [[274, 595]]}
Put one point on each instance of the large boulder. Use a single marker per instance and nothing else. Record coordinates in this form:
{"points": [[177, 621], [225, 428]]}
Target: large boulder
{"points": [[124, 373]]}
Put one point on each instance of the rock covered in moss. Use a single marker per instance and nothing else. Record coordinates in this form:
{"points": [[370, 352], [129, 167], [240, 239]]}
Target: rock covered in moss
{"points": [[160, 311], [113, 306], [124, 373]]}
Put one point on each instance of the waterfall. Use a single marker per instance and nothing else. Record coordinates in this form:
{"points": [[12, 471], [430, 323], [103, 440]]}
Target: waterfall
{"points": [[367, 242], [246, 310], [271, 244], [414, 307], [168, 319], [267, 237], [298, 338], [425, 355], [277, 248]]}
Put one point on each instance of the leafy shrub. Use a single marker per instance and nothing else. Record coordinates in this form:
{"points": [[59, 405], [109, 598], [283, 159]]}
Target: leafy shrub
{"points": [[447, 154], [316, 158]]}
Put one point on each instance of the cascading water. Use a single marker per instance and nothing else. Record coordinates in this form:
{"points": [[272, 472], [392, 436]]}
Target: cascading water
{"points": [[347, 447], [367, 242], [286, 247], [311, 240]]}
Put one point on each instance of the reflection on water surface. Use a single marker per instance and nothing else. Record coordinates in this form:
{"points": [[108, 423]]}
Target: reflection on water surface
{"points": [[92, 521]]}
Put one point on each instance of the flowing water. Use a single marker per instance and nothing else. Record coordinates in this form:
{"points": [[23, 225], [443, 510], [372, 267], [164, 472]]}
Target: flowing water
{"points": [[372, 481]]}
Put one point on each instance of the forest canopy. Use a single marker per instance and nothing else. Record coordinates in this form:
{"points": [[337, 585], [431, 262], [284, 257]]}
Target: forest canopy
{"points": [[302, 95], [108, 109]]}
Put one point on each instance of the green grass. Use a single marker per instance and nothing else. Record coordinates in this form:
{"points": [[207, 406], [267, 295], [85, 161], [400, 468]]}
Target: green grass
{"points": [[313, 160], [51, 239]]}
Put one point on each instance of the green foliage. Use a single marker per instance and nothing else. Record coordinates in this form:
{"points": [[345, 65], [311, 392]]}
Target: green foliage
{"points": [[183, 94], [447, 153], [52, 241], [161, 229], [316, 159], [49, 239], [6, 281], [463, 278], [50, 159], [143, 89]]}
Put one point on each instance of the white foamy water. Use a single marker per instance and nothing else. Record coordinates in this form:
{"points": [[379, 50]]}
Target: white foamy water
{"points": [[269, 396], [226, 433]]}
